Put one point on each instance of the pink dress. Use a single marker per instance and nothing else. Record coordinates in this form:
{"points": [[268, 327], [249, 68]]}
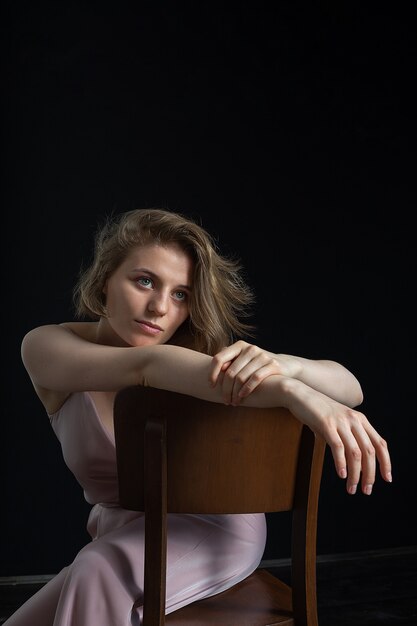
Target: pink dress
{"points": [[206, 553]]}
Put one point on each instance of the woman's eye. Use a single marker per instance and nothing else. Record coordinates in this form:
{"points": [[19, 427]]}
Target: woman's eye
{"points": [[144, 281], [180, 295]]}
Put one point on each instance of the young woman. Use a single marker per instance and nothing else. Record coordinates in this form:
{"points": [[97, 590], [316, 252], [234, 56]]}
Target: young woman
{"points": [[167, 311]]}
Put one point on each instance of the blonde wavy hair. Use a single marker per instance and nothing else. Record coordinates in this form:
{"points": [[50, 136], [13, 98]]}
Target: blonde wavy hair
{"points": [[220, 297]]}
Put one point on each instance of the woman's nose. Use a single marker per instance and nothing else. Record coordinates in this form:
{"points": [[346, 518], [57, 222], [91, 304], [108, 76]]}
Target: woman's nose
{"points": [[158, 303]]}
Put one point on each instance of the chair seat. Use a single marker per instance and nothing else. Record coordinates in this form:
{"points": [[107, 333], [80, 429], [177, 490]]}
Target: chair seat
{"points": [[261, 599]]}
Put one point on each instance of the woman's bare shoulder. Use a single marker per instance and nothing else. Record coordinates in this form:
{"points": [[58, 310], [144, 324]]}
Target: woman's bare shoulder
{"points": [[43, 335], [45, 349], [85, 330]]}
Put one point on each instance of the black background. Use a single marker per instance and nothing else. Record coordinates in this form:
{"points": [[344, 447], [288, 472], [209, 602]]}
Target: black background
{"points": [[288, 131]]}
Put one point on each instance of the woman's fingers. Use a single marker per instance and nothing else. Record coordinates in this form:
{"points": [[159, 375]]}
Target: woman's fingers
{"points": [[222, 360], [244, 367], [347, 458], [240, 383], [356, 449], [381, 451]]}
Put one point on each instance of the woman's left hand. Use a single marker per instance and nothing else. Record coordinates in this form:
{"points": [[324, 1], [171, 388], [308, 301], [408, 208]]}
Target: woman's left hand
{"points": [[242, 366]]}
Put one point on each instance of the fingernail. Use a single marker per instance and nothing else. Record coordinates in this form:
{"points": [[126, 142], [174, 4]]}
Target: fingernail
{"points": [[367, 490], [343, 473], [352, 489], [389, 477]]}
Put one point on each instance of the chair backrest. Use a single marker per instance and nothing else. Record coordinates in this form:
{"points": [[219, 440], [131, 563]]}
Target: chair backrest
{"points": [[176, 453]]}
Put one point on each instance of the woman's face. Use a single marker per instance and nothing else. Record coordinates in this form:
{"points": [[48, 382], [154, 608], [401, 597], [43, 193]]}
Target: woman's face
{"points": [[147, 297]]}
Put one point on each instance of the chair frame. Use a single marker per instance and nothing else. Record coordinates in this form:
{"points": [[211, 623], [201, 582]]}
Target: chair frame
{"points": [[160, 432]]}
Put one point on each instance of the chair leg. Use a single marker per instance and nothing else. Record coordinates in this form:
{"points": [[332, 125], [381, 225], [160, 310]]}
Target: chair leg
{"points": [[155, 523], [304, 535]]}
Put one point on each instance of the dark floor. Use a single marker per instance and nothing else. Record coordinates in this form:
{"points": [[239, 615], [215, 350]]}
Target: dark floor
{"points": [[365, 589]]}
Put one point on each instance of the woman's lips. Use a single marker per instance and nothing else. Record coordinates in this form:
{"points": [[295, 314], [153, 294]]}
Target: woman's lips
{"points": [[148, 328]]}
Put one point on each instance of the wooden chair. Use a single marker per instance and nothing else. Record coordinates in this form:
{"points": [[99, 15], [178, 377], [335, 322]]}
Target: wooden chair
{"points": [[176, 453]]}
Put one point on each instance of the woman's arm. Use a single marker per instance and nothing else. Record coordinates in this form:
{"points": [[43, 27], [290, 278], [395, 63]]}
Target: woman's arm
{"points": [[241, 366], [354, 442], [58, 359], [329, 377]]}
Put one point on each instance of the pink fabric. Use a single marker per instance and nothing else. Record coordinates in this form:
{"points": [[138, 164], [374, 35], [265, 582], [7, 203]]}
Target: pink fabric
{"points": [[206, 553]]}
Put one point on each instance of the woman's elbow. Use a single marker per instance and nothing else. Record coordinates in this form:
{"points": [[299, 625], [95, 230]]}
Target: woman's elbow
{"points": [[359, 396], [352, 389], [355, 393]]}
